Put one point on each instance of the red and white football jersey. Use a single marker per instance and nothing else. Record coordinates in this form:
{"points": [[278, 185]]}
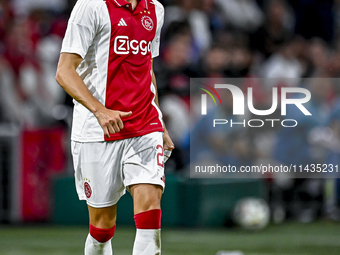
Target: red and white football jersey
{"points": [[117, 45]]}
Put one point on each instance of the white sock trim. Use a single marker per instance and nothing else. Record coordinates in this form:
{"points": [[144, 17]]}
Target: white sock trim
{"points": [[93, 247], [147, 242]]}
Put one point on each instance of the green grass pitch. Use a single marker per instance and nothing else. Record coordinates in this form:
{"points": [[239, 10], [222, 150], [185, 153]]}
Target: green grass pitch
{"points": [[320, 238]]}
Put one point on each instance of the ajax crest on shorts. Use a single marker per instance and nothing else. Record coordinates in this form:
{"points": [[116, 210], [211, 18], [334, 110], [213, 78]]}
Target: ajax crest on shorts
{"points": [[88, 190]]}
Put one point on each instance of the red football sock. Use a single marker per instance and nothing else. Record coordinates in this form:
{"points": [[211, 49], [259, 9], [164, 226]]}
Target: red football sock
{"points": [[102, 235], [149, 219]]}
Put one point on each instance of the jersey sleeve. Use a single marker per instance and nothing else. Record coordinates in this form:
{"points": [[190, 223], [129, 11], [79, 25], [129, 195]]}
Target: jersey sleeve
{"points": [[160, 20], [81, 28]]}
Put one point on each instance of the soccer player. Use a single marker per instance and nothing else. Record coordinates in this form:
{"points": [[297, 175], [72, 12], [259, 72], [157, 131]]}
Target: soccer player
{"points": [[118, 136]]}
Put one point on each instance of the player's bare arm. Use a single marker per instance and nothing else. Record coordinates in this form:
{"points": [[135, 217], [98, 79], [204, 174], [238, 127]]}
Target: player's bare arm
{"points": [[167, 142], [67, 77]]}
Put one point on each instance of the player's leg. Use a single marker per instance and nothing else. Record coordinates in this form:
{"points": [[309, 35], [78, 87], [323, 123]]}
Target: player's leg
{"points": [[144, 177], [102, 229], [147, 211], [98, 175], [146, 197]]}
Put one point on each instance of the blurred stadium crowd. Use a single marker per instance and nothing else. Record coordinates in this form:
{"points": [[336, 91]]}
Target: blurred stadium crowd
{"points": [[201, 38]]}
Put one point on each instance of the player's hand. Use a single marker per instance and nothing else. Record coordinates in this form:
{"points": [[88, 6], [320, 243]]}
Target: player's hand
{"points": [[167, 142], [111, 121], [168, 145]]}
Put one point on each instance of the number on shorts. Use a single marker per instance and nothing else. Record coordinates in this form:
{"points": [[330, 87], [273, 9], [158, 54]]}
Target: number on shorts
{"points": [[160, 156]]}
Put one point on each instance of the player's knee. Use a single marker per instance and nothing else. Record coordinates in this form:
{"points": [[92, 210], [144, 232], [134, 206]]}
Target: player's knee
{"points": [[103, 218], [102, 235], [149, 219], [103, 221], [151, 203], [146, 198]]}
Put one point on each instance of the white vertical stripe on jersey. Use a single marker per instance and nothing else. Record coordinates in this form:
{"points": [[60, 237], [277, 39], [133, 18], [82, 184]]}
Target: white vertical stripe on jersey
{"points": [[160, 20], [153, 90], [93, 69]]}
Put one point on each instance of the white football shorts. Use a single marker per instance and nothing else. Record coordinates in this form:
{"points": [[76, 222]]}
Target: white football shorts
{"points": [[103, 170]]}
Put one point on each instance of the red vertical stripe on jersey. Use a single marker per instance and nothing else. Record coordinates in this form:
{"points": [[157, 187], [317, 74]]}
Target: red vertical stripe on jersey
{"points": [[129, 69]]}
